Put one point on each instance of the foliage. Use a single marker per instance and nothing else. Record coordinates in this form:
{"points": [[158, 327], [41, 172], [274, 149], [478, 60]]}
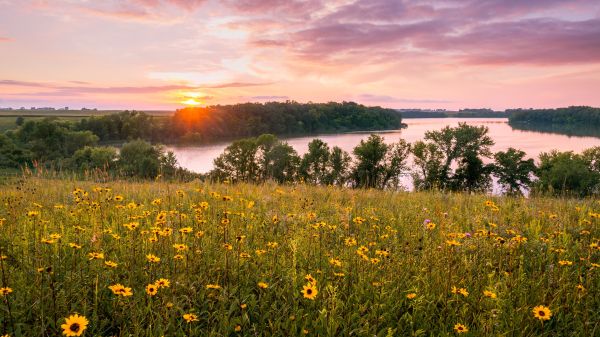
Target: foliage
{"points": [[234, 260], [570, 173], [225, 122], [89, 158], [573, 115], [124, 126], [51, 140], [257, 159], [448, 159], [428, 160], [12, 155], [513, 171], [379, 165], [451, 158], [324, 166], [287, 118], [463, 113], [140, 159], [60, 144]]}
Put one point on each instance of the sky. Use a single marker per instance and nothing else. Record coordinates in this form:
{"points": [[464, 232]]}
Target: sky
{"points": [[166, 54]]}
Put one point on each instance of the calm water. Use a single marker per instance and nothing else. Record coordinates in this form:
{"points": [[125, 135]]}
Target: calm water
{"points": [[200, 158]]}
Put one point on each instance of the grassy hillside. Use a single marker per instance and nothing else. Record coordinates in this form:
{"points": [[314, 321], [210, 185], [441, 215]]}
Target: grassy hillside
{"points": [[289, 261]]}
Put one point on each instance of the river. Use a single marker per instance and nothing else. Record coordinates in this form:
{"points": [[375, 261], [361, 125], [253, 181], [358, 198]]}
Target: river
{"points": [[200, 158]]}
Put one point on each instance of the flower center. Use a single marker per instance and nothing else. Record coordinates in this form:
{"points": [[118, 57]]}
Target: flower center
{"points": [[541, 313], [74, 327], [309, 291]]}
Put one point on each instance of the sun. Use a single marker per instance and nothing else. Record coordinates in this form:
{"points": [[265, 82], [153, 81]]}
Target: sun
{"points": [[191, 102]]}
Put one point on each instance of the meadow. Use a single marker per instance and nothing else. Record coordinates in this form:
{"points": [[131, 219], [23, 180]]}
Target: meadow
{"points": [[205, 259]]}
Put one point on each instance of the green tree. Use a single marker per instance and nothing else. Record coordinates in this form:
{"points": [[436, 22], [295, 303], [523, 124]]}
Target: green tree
{"points": [[315, 163], [428, 159], [379, 165], [339, 166], [89, 158], [324, 166], [461, 149], [168, 164], [256, 160], [238, 162], [567, 173], [592, 157], [283, 163], [11, 155], [140, 159], [51, 140], [513, 171]]}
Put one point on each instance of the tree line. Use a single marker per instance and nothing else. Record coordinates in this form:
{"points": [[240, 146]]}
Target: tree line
{"points": [[82, 145], [227, 122], [570, 116], [56, 144], [452, 159]]}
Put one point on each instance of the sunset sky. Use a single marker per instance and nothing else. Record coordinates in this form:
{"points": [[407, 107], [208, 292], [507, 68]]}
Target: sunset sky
{"points": [[163, 54]]}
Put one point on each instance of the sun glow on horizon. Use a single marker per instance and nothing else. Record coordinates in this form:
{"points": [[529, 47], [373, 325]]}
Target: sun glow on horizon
{"points": [[191, 102], [191, 98]]}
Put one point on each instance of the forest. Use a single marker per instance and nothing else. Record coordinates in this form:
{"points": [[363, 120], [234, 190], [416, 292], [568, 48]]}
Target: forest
{"points": [[228, 122], [584, 116]]}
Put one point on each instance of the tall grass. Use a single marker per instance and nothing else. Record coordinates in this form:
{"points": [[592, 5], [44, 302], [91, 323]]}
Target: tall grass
{"points": [[383, 263]]}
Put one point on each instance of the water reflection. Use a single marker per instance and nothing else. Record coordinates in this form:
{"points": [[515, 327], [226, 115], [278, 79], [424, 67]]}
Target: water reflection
{"points": [[568, 130]]}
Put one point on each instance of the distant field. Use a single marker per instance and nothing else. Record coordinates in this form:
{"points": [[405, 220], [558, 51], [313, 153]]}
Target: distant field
{"points": [[74, 113], [9, 117], [9, 122]]}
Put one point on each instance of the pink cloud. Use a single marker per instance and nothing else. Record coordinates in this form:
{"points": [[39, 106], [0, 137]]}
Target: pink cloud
{"points": [[61, 90], [141, 10]]}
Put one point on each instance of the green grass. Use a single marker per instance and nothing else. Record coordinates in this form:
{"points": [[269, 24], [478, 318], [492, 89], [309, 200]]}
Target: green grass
{"points": [[278, 235]]}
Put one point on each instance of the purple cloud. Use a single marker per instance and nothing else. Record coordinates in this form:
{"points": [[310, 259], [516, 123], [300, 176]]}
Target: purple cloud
{"points": [[378, 10], [539, 41], [538, 32]]}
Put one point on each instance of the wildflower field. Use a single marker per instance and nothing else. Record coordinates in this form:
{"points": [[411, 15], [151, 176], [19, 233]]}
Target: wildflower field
{"points": [[196, 259]]}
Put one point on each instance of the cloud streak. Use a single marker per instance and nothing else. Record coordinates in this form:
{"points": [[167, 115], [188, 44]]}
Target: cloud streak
{"points": [[161, 11], [84, 89], [392, 99]]}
